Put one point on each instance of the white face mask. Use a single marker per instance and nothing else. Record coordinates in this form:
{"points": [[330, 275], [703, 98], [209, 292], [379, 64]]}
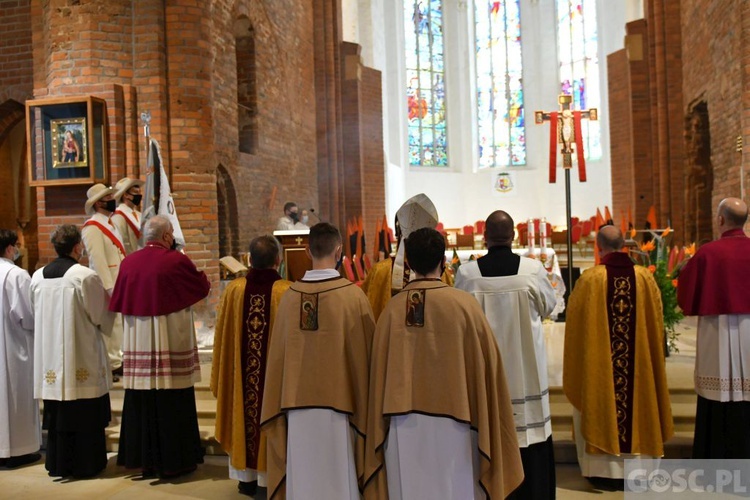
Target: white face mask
{"points": [[305, 218], [17, 254]]}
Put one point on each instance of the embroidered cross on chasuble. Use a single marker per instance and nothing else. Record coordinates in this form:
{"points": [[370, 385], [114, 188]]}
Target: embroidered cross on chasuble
{"points": [[621, 311], [256, 321]]}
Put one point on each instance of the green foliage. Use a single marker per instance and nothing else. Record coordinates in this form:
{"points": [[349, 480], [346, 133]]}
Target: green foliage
{"points": [[657, 261]]}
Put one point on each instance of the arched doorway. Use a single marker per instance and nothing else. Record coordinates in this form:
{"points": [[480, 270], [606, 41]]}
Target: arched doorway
{"points": [[18, 201], [699, 176], [226, 198]]}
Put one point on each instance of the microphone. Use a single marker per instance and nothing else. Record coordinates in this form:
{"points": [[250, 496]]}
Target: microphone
{"points": [[312, 211]]}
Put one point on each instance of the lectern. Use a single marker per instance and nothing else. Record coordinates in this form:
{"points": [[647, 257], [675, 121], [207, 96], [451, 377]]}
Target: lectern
{"points": [[296, 261]]}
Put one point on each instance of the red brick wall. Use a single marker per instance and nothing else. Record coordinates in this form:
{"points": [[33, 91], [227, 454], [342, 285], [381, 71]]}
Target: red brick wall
{"points": [[632, 126], [16, 84], [715, 52], [178, 61], [648, 144], [362, 142], [373, 158], [16, 65], [620, 131]]}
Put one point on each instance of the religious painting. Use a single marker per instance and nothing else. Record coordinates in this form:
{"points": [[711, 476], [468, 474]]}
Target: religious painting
{"points": [[415, 308], [69, 145], [308, 314]]}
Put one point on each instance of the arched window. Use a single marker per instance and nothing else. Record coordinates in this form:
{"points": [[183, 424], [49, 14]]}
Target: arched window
{"points": [[500, 111], [425, 82], [577, 50], [247, 94]]}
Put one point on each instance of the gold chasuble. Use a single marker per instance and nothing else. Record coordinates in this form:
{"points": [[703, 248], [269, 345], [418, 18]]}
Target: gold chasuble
{"points": [[319, 357], [246, 315], [377, 284], [435, 354], [613, 367]]}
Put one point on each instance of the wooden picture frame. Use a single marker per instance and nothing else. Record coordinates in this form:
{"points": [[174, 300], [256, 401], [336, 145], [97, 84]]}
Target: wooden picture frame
{"points": [[67, 141]]}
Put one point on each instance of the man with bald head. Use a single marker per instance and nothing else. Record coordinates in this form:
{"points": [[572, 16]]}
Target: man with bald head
{"points": [[713, 286], [155, 291], [516, 296], [614, 373]]}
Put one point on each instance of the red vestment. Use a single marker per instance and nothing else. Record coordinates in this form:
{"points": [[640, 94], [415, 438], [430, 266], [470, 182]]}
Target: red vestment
{"points": [[716, 279], [156, 281]]}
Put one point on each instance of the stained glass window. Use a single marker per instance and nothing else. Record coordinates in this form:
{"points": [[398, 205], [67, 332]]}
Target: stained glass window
{"points": [[500, 112], [579, 64], [425, 82]]}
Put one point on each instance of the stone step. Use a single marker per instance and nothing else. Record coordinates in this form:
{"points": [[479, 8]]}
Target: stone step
{"points": [[206, 432], [205, 408], [679, 446]]}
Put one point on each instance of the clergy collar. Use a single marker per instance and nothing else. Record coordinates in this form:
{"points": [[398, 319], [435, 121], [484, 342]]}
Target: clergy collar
{"points": [[500, 249], [734, 233], [425, 283], [617, 259], [320, 274]]}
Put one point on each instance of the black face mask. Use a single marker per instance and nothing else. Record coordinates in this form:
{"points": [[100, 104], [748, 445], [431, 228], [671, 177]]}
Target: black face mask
{"points": [[173, 246], [340, 261], [294, 216], [136, 199], [110, 205]]}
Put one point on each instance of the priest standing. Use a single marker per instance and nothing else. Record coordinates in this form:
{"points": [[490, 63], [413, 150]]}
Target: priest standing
{"points": [[154, 292], [714, 286], [246, 315], [71, 372], [389, 276], [516, 296], [440, 421], [20, 433], [315, 399], [614, 372]]}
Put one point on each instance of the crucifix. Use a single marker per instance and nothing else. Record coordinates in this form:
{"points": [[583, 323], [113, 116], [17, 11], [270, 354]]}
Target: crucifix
{"points": [[565, 130]]}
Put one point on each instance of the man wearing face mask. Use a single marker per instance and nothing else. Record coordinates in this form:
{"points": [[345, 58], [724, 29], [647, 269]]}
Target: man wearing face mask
{"points": [[291, 216], [20, 434], [303, 222], [105, 250], [127, 218]]}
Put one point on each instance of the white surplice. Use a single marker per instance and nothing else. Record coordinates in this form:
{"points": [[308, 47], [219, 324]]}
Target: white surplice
{"points": [[431, 457], [20, 432], [320, 446], [71, 317], [722, 359], [599, 464], [514, 306], [160, 352]]}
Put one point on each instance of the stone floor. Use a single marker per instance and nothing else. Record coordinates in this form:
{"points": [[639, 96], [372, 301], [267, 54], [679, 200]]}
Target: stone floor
{"points": [[210, 481]]}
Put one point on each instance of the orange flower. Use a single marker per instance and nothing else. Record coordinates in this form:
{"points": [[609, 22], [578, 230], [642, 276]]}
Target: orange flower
{"points": [[633, 232], [652, 268], [648, 247], [690, 250], [666, 232], [674, 283]]}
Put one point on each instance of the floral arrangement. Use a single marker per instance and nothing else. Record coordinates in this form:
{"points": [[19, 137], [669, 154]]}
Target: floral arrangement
{"points": [[665, 265]]}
